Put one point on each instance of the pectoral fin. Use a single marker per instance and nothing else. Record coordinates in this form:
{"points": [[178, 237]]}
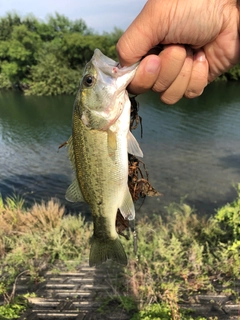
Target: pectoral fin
{"points": [[127, 208], [133, 146], [112, 140], [73, 193]]}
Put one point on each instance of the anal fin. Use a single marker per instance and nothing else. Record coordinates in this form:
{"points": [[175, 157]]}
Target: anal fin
{"points": [[127, 208]]}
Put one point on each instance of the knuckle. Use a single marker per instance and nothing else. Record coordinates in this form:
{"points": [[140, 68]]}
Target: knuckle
{"points": [[190, 94], [169, 99], [160, 86]]}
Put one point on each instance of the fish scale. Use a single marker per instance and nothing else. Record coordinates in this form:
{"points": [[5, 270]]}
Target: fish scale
{"points": [[99, 171], [98, 150]]}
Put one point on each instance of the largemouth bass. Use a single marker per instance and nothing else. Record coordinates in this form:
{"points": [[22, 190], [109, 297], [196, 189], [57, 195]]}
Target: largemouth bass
{"points": [[98, 149]]}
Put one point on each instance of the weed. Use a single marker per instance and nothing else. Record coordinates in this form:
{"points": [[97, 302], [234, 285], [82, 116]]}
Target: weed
{"points": [[229, 218], [126, 303], [162, 311], [179, 254], [15, 308], [33, 239]]}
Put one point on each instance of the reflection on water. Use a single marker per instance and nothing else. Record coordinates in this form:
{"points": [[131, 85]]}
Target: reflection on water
{"points": [[192, 148]]}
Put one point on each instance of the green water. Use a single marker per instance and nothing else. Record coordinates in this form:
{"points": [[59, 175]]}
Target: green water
{"points": [[192, 148]]}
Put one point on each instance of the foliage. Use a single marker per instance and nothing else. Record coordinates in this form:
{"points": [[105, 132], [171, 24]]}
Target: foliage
{"points": [[21, 232], [17, 306], [51, 76], [155, 312], [46, 58], [126, 303], [14, 309], [17, 54], [29, 59], [11, 311], [232, 75], [229, 218], [179, 255], [5, 83], [6, 25], [182, 254], [162, 311]]}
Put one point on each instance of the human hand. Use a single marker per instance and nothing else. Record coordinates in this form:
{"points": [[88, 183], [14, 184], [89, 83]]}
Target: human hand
{"points": [[200, 41]]}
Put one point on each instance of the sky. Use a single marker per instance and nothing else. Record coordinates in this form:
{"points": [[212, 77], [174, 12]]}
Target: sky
{"points": [[101, 15]]}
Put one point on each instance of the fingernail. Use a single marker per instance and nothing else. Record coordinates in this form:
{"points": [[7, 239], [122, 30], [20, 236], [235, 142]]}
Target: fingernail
{"points": [[153, 65], [200, 56]]}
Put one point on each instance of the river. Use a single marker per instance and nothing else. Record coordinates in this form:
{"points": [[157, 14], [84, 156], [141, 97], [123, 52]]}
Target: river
{"points": [[191, 149]]}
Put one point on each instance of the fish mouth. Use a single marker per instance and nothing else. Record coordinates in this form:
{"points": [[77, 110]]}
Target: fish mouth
{"points": [[107, 67], [109, 90]]}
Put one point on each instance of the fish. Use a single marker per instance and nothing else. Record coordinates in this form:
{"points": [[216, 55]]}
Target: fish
{"points": [[98, 150]]}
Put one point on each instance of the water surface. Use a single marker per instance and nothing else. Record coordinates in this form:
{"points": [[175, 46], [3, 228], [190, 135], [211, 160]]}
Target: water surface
{"points": [[191, 149]]}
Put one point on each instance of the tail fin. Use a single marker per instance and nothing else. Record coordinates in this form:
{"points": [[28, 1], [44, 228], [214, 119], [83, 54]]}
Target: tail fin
{"points": [[109, 249]]}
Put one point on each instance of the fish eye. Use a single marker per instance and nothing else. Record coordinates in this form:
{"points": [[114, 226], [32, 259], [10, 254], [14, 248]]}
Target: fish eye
{"points": [[88, 80]]}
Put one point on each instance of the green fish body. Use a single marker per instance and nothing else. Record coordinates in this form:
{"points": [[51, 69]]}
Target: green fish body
{"points": [[98, 151]]}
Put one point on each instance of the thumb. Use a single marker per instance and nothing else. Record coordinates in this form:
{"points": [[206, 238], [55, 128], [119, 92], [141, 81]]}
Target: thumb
{"points": [[140, 37]]}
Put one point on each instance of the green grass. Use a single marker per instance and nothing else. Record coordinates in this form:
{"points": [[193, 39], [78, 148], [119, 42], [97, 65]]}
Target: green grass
{"points": [[184, 254], [179, 255], [13, 309], [163, 311], [31, 240]]}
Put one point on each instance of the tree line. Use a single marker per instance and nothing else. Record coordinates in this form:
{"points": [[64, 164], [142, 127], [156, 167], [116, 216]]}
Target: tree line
{"points": [[47, 57]]}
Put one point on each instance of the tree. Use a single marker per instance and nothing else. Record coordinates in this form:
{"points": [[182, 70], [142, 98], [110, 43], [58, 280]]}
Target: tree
{"points": [[7, 24], [61, 24], [52, 74], [18, 53]]}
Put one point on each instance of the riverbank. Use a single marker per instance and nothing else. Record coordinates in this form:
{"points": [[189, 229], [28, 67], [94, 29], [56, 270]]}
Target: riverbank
{"points": [[179, 255]]}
